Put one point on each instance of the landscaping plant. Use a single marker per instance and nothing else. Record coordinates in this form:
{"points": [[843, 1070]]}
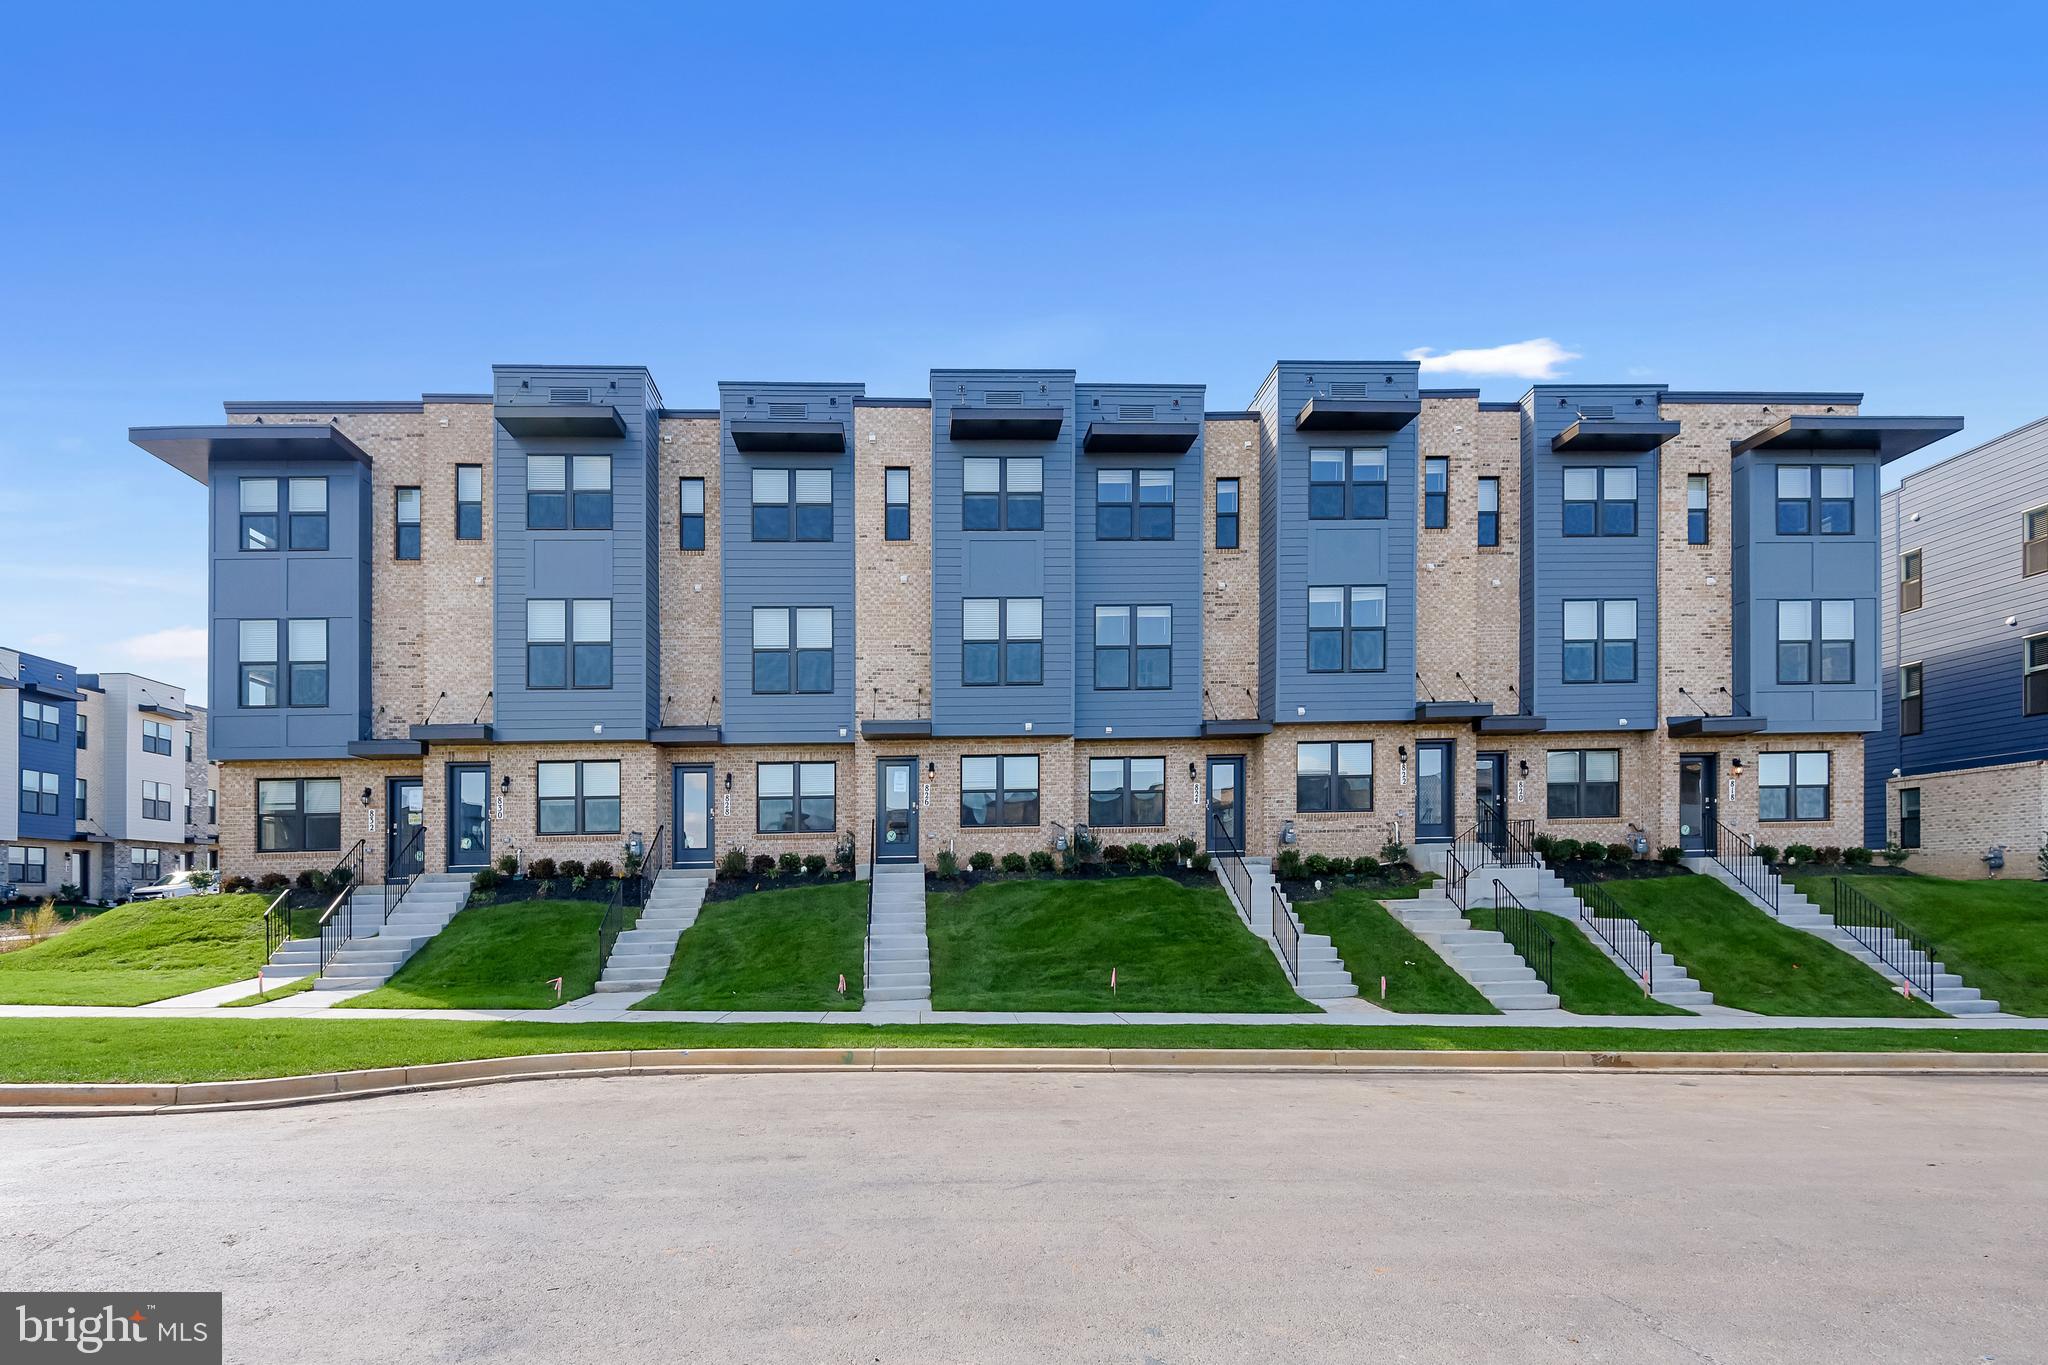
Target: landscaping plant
{"points": [[981, 860], [732, 865]]}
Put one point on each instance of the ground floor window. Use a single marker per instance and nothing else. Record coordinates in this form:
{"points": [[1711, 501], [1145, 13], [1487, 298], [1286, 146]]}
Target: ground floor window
{"points": [[1792, 787], [1584, 784], [1909, 817], [1333, 776], [578, 798], [28, 866], [1126, 791], [145, 865], [796, 798], [298, 815], [999, 790]]}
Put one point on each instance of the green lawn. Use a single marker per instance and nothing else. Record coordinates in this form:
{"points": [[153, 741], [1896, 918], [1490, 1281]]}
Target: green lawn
{"points": [[1994, 933], [133, 954], [55, 1051], [1749, 961], [498, 957], [774, 950], [304, 983], [1050, 945], [1372, 944], [1584, 979]]}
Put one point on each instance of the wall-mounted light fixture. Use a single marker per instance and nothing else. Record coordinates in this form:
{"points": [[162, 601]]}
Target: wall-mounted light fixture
{"points": [[1191, 771], [366, 796], [505, 783], [1735, 767], [728, 782], [1524, 767], [931, 770], [1404, 753]]}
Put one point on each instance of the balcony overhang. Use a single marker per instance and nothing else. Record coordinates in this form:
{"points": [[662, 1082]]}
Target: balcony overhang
{"points": [[895, 729], [757, 437], [559, 421], [43, 689], [1233, 729], [1889, 438], [385, 748], [1511, 725], [1357, 414], [1612, 436], [1005, 424], [471, 733], [150, 708], [1140, 438], [1452, 710], [195, 450], [683, 734], [1707, 727]]}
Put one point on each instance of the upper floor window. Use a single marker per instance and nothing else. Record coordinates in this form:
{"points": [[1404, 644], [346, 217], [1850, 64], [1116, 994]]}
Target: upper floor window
{"points": [[81, 729], [792, 504], [1333, 776], [1347, 629], [2034, 677], [1002, 641], [1133, 648], [690, 510], [156, 800], [1600, 641], [792, 649], [568, 492], [258, 663], [156, 738], [1909, 581], [568, 642], [999, 790], [406, 522], [2034, 553], [1134, 503], [27, 865], [577, 798], [469, 502], [1909, 817], [188, 746], [1910, 706], [796, 798], [1816, 497], [1347, 484], [1792, 786], [1583, 784], [259, 513], [212, 806], [1002, 494], [306, 527], [79, 791], [1226, 514], [896, 503], [1696, 509], [1600, 501], [41, 720], [188, 804], [39, 792], [1126, 792], [1436, 492], [547, 492], [1489, 511], [1799, 646], [306, 653]]}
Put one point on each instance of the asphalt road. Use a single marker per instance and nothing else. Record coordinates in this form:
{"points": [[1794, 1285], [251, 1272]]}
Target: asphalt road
{"points": [[905, 1217]]}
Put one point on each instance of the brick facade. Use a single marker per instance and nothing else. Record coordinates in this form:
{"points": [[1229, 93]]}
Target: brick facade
{"points": [[1966, 812]]}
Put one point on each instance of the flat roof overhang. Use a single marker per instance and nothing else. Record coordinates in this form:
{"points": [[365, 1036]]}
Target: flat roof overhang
{"points": [[1452, 710], [452, 734], [895, 729], [1889, 438], [153, 709], [42, 689], [1231, 729], [1706, 727], [1510, 725], [1140, 438], [1005, 424], [1609, 436], [1357, 414], [683, 734], [759, 437], [385, 748], [194, 450], [557, 421]]}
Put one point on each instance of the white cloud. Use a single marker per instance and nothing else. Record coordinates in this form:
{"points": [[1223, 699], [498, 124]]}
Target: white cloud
{"points": [[176, 654], [1537, 358]]}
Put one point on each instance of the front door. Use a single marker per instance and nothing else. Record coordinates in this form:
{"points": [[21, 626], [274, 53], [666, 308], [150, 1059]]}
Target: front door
{"points": [[469, 816], [1493, 801], [693, 815], [85, 873], [1226, 805], [896, 807], [1433, 789], [1696, 804], [405, 844]]}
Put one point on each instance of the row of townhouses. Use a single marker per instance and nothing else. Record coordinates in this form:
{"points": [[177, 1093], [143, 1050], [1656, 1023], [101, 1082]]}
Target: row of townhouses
{"points": [[107, 782], [549, 618]]}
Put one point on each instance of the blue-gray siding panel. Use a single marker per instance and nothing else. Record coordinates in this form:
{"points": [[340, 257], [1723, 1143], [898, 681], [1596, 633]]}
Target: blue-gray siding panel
{"points": [[58, 756]]}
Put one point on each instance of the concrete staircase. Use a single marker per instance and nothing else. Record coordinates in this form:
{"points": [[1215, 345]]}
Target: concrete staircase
{"points": [[641, 956], [294, 958], [1482, 956], [1323, 976], [376, 947], [1671, 984], [899, 956], [1951, 995]]}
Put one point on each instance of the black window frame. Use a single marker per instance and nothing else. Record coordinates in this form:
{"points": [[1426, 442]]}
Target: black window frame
{"points": [[895, 511], [1000, 803], [1350, 633], [81, 791], [794, 659], [297, 819], [1360, 499], [28, 864], [156, 807], [469, 512], [405, 546], [307, 530], [1696, 526], [571, 654], [580, 800], [1909, 825], [800, 816], [547, 509], [248, 522], [248, 670], [1327, 792], [145, 866], [1600, 641], [1792, 787], [1912, 698], [590, 509], [1604, 510], [1004, 645], [1817, 648], [1912, 568], [46, 724], [2033, 548], [1228, 523], [1005, 503], [1581, 788], [79, 729], [156, 737], [1135, 658], [2033, 677], [1436, 503], [1126, 809], [300, 675], [690, 525], [1489, 518], [1814, 511], [44, 795]]}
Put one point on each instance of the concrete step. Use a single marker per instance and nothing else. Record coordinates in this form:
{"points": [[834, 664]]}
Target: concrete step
{"points": [[1538, 999], [610, 985], [1970, 1007], [349, 983], [290, 971], [898, 993]]}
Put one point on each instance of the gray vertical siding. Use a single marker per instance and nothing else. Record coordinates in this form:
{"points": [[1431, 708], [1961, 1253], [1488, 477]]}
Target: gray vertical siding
{"points": [[784, 573], [1139, 572], [59, 755], [1003, 563]]}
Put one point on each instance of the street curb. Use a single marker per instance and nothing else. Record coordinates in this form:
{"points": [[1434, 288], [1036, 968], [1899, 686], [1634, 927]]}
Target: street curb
{"points": [[57, 1100]]}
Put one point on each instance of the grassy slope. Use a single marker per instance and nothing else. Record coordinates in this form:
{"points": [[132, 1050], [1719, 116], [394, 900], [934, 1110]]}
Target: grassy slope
{"points": [[1050, 945], [1994, 933], [1749, 961], [775, 950], [240, 1046], [1372, 944], [1585, 979], [498, 957], [131, 955], [293, 987]]}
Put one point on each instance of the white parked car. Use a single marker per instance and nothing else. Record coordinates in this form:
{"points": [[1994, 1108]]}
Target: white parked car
{"points": [[177, 884]]}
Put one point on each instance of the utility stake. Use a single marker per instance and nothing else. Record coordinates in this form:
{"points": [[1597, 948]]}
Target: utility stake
{"points": [[1383, 987], [842, 983], [556, 982], [1112, 982]]}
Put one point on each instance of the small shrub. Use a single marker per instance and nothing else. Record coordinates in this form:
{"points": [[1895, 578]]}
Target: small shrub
{"points": [[949, 866], [1767, 852], [1827, 853], [762, 865], [601, 870], [1562, 850], [733, 865], [70, 891], [843, 856], [541, 869], [1316, 865], [1041, 860], [311, 879], [1393, 852], [486, 880], [1070, 857], [1288, 864], [236, 886], [1619, 853], [508, 866], [573, 869], [981, 860], [1856, 857], [1140, 855], [1542, 843], [815, 864], [1340, 866], [789, 864], [1168, 854], [1365, 865], [40, 922], [1185, 848], [1116, 855], [1014, 863], [1799, 853], [1201, 862], [1671, 855], [273, 882], [1895, 856]]}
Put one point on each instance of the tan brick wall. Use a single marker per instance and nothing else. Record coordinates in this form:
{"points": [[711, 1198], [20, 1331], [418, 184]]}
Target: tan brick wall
{"points": [[691, 662], [238, 855], [1186, 798], [1468, 602], [892, 663], [1964, 813], [1230, 578]]}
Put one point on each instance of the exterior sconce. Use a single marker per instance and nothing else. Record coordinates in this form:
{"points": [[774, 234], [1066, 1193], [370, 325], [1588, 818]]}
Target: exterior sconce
{"points": [[1735, 767], [366, 796], [1525, 767], [505, 783], [1404, 753], [728, 784], [1191, 771], [931, 771]]}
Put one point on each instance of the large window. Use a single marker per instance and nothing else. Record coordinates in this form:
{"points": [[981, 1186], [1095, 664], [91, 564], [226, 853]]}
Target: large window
{"points": [[42, 720], [792, 504], [1792, 787], [577, 798], [1002, 494], [1134, 504], [1347, 629], [1799, 646], [469, 502], [258, 655], [1909, 581], [1584, 784], [306, 527], [1226, 514], [568, 642], [2034, 677], [1133, 647], [1333, 776], [565, 492], [259, 513], [39, 792], [1436, 492], [792, 649], [895, 503], [1910, 708], [1002, 641], [1347, 484], [1909, 817], [156, 738], [999, 791], [156, 800], [81, 730], [79, 790], [590, 629], [1816, 497], [1696, 509], [1126, 792], [1600, 501], [306, 655], [145, 866], [28, 866], [690, 513], [2034, 550], [406, 522], [1600, 640], [795, 798], [298, 815], [1489, 510]]}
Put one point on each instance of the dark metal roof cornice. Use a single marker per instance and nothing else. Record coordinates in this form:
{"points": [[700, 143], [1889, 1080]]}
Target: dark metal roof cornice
{"points": [[1357, 414], [1604, 435], [559, 421], [1006, 424], [1140, 438], [761, 436], [194, 450], [1889, 438]]}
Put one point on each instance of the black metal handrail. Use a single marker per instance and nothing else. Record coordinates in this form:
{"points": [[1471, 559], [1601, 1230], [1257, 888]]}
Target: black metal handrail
{"points": [[867, 943], [1524, 931], [277, 925], [1736, 852], [1229, 859], [1638, 951], [336, 922], [1496, 841], [1457, 878], [1286, 934], [1880, 931], [396, 873], [628, 893]]}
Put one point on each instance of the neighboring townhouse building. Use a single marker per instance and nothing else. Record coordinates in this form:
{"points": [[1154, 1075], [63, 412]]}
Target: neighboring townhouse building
{"points": [[1961, 766], [559, 616], [108, 782]]}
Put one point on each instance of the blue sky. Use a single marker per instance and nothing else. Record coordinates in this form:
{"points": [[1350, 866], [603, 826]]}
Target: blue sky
{"points": [[207, 202]]}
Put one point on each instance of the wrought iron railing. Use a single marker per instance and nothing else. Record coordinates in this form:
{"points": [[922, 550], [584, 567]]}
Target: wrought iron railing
{"points": [[1524, 931], [1637, 951], [1457, 878], [628, 895], [404, 869], [1229, 858], [1737, 853], [1286, 934], [867, 943], [1906, 952], [1496, 841], [277, 925], [336, 922]]}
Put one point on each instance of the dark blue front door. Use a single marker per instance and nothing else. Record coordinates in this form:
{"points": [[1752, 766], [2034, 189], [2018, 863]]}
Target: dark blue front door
{"points": [[693, 816]]}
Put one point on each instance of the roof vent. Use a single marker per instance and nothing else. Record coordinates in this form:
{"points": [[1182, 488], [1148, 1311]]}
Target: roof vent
{"points": [[1135, 412], [794, 412], [581, 395], [1350, 390], [1003, 398], [1596, 412]]}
